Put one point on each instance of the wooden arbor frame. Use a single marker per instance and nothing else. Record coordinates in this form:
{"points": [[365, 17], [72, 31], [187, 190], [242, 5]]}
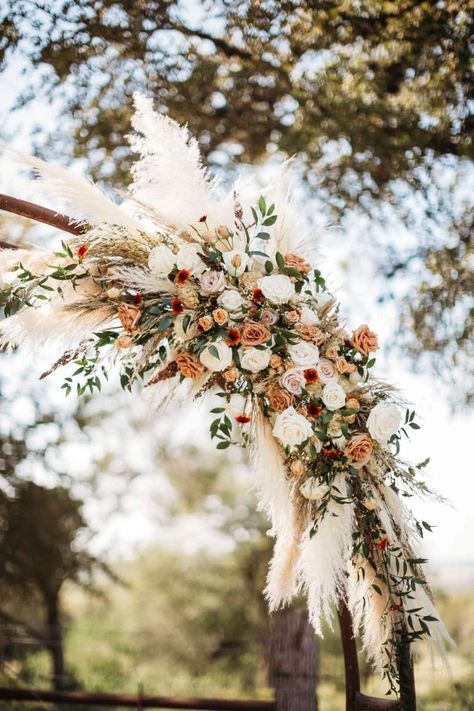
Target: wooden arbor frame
{"points": [[355, 700]]}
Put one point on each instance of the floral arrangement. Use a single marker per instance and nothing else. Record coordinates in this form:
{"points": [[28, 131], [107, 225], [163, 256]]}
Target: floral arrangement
{"points": [[178, 287]]}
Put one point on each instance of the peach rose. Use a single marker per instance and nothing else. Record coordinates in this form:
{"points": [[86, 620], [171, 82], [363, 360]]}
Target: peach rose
{"points": [[230, 375], [296, 262], [279, 399], [365, 340], [206, 323], [292, 316], [353, 404], [359, 450], [275, 361], [220, 316], [129, 315], [310, 333], [341, 364], [254, 334], [189, 296], [332, 353], [188, 365]]}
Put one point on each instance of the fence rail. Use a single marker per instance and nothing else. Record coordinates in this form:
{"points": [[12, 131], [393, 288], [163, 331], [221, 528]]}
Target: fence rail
{"points": [[136, 702]]}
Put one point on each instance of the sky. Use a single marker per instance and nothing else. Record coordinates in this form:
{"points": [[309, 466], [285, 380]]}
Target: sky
{"points": [[444, 436]]}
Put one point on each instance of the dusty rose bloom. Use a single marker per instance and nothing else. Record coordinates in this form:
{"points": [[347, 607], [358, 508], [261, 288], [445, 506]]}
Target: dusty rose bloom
{"points": [[332, 353], [129, 316], [220, 316], [254, 334], [275, 361], [352, 403], [297, 262], [268, 317], [359, 450], [188, 365], [279, 399], [293, 380], [365, 340], [292, 316], [341, 364], [124, 342], [189, 296], [230, 375], [310, 333], [205, 323], [297, 467]]}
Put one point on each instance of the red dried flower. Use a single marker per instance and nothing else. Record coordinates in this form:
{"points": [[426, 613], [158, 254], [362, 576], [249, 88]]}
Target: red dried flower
{"points": [[331, 453], [182, 276], [242, 419], [258, 296], [138, 300], [233, 337], [311, 375], [313, 410], [81, 252], [383, 543], [203, 218], [177, 306], [395, 608]]}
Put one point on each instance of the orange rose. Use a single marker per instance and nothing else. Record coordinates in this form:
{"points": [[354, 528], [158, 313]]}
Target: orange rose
{"points": [[279, 399], [220, 316], [205, 323], [188, 365], [332, 353], [129, 316], [365, 340], [275, 361], [310, 333], [230, 375], [296, 262], [253, 334], [359, 450]]}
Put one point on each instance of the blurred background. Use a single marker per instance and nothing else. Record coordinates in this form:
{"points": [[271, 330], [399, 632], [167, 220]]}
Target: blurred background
{"points": [[131, 554]]}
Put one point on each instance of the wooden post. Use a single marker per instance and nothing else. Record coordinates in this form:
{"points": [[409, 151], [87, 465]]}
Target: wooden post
{"points": [[293, 660]]}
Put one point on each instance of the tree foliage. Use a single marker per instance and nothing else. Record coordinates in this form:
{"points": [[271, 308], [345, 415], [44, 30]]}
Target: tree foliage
{"points": [[373, 97]]}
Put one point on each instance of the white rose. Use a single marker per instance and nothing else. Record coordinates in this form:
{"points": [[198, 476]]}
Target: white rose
{"points": [[190, 332], [255, 359], [258, 262], [304, 354], [218, 362], [293, 380], [291, 428], [312, 490], [161, 260], [212, 282], [383, 421], [333, 396], [308, 316], [231, 301], [188, 258], [277, 288], [326, 371], [235, 261]]}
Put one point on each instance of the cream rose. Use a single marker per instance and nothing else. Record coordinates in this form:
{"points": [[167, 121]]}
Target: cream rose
{"points": [[161, 260], [231, 301], [383, 421], [333, 396], [277, 288], [313, 491], [235, 261], [188, 258], [304, 354], [308, 316], [326, 371], [291, 428], [212, 282], [217, 359], [293, 380], [255, 359]]}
